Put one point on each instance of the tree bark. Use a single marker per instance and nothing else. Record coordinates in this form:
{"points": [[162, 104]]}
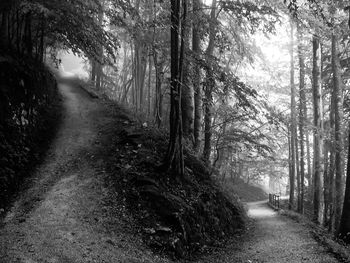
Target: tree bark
{"points": [[28, 34], [293, 121], [174, 158], [196, 79], [99, 64], [338, 135], [158, 93], [149, 97], [209, 85], [318, 131], [93, 70], [344, 226], [326, 180], [42, 42], [309, 164], [302, 116], [187, 100]]}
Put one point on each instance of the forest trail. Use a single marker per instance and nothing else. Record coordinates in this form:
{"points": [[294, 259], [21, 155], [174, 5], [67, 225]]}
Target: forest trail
{"points": [[273, 238], [67, 214]]}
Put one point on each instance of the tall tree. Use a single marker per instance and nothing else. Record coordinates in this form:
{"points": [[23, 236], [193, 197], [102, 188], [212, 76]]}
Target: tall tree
{"points": [[318, 129], [196, 76], [338, 134], [98, 65], [209, 84], [174, 157], [302, 115], [293, 119], [344, 226], [187, 99]]}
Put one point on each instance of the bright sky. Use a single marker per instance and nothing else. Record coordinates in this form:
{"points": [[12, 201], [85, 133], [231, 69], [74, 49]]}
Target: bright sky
{"points": [[273, 70], [207, 2]]}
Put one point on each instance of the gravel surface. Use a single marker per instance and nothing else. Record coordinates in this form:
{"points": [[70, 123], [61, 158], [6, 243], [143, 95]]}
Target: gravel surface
{"points": [[67, 214], [272, 238]]}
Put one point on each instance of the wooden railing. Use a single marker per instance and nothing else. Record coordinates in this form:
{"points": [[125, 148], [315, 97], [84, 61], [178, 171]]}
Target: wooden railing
{"points": [[274, 201]]}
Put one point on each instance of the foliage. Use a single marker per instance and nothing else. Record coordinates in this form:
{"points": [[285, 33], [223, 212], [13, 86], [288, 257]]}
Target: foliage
{"points": [[252, 16], [72, 24], [26, 120]]}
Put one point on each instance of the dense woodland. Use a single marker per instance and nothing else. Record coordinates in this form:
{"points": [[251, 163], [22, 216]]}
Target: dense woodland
{"points": [[182, 66]]}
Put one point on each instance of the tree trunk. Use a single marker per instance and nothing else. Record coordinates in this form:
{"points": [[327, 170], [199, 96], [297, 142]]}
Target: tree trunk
{"points": [[297, 164], [149, 97], [209, 85], [338, 118], [326, 180], [290, 186], [309, 164], [98, 76], [318, 131], [158, 93], [93, 70], [331, 168], [293, 122], [302, 116], [99, 64], [196, 79], [174, 158], [344, 226], [28, 34], [187, 100]]}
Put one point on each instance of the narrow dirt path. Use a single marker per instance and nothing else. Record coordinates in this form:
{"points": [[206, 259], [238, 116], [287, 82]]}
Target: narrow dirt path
{"points": [[273, 239], [67, 214]]}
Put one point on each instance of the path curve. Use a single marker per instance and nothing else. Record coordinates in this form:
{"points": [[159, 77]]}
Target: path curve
{"points": [[68, 214], [273, 238]]}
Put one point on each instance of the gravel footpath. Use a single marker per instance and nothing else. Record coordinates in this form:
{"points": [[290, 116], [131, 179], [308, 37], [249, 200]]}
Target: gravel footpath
{"points": [[272, 238]]}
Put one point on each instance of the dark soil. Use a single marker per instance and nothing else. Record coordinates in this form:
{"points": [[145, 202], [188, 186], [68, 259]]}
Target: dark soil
{"points": [[178, 216]]}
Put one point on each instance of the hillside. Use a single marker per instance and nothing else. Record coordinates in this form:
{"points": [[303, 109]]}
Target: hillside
{"points": [[101, 175]]}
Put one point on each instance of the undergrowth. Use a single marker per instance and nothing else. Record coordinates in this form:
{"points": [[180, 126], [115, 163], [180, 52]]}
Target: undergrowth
{"points": [[30, 111], [179, 216]]}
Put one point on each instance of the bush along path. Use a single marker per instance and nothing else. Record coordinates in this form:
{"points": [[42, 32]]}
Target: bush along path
{"points": [[29, 112]]}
